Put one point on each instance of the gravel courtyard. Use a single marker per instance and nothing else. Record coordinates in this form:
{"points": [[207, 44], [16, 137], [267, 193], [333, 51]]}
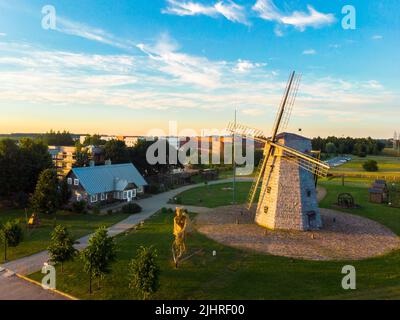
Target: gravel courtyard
{"points": [[343, 237]]}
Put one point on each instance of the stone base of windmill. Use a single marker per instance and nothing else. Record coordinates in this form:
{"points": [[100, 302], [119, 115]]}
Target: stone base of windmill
{"points": [[343, 237]]}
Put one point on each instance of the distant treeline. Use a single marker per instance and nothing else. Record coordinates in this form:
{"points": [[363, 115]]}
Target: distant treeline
{"points": [[59, 138], [356, 146]]}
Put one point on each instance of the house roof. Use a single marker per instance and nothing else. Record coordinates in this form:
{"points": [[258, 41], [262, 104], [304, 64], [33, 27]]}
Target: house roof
{"points": [[375, 190], [108, 178]]}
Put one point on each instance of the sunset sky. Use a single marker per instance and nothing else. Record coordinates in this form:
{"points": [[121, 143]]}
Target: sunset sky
{"points": [[129, 66]]}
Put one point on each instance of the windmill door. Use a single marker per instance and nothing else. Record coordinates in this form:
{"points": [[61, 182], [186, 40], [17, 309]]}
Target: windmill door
{"points": [[312, 220]]}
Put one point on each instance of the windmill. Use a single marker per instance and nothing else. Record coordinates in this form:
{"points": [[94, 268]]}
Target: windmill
{"points": [[287, 173]]}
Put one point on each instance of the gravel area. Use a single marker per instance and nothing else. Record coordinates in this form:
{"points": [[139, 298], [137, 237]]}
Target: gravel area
{"points": [[343, 237]]}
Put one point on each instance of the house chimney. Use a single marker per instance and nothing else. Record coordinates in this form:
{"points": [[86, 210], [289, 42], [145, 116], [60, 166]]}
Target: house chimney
{"points": [[108, 162]]}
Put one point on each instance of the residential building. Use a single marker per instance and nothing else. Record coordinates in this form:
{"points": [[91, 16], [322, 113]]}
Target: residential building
{"points": [[63, 158], [105, 184]]}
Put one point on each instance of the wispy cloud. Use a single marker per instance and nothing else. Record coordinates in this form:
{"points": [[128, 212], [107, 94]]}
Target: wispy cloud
{"points": [[228, 9], [267, 10], [2, 34], [310, 52], [377, 37], [186, 68], [85, 31], [254, 112], [244, 66]]}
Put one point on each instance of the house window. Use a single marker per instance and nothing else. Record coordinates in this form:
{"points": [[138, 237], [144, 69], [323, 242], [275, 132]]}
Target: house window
{"points": [[93, 198], [140, 189], [76, 182], [69, 180], [103, 196], [78, 197], [125, 195]]}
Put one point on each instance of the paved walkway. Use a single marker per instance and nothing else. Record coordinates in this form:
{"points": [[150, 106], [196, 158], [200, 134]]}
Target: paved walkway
{"points": [[14, 288], [33, 263]]}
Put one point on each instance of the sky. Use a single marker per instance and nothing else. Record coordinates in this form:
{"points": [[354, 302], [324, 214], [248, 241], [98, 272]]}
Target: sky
{"points": [[130, 66]]}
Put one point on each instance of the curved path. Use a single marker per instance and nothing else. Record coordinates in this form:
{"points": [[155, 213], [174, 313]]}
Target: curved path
{"points": [[10, 286]]}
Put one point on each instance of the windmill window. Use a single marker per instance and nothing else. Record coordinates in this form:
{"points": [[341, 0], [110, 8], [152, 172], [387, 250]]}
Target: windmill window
{"points": [[265, 209], [308, 193], [269, 190]]}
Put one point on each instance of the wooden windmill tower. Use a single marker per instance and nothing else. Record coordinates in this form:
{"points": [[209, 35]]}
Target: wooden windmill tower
{"points": [[287, 173]]}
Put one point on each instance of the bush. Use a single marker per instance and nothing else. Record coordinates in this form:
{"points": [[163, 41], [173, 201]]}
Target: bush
{"points": [[96, 209], [370, 165], [154, 189], [11, 234], [109, 212], [79, 206], [131, 208]]}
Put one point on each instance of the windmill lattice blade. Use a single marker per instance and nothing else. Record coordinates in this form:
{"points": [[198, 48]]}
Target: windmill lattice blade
{"points": [[243, 130], [292, 100], [304, 161], [256, 182]]}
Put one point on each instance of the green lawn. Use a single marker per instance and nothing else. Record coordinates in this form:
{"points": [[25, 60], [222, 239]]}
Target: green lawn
{"points": [[36, 240], [236, 274], [215, 195], [388, 166]]}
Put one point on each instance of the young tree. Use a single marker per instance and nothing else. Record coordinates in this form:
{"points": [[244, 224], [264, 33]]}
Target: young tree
{"points": [[144, 272], [61, 248], [98, 255], [46, 196], [11, 234]]}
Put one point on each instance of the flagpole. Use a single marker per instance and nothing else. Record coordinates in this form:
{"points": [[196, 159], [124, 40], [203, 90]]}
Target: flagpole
{"points": [[234, 163]]}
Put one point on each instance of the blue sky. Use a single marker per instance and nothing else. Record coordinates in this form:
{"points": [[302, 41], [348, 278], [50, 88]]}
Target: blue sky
{"points": [[125, 67]]}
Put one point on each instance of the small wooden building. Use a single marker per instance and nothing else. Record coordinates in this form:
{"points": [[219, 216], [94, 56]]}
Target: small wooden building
{"points": [[379, 192]]}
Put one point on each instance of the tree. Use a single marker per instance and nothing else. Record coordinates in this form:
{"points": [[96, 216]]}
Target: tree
{"points": [[46, 196], [11, 234], [330, 148], [20, 165], [370, 165], [98, 255], [61, 248], [116, 151], [144, 272], [58, 138], [64, 193], [94, 140]]}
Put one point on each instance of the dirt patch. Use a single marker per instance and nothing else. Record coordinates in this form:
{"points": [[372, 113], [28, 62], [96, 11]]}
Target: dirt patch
{"points": [[343, 237]]}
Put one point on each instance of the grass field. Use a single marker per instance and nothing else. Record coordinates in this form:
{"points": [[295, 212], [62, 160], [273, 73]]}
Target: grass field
{"points": [[215, 195], [388, 167], [36, 240], [236, 274]]}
